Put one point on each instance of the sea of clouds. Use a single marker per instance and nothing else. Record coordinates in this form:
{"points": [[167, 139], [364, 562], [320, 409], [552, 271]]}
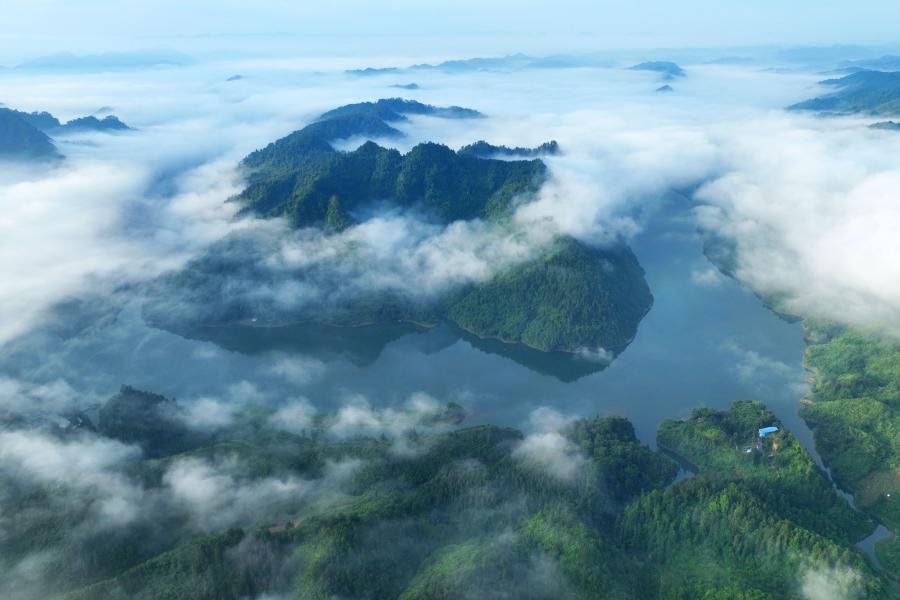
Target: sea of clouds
{"points": [[809, 204]]}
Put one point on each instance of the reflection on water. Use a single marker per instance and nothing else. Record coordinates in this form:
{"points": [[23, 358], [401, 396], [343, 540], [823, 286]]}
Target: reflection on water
{"points": [[706, 341], [360, 345], [363, 345]]}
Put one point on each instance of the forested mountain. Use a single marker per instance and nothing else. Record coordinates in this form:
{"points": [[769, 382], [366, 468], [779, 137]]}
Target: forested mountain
{"points": [[446, 185], [566, 296], [50, 125], [585, 511], [19, 139], [27, 136], [875, 92], [91, 123], [483, 149], [667, 69]]}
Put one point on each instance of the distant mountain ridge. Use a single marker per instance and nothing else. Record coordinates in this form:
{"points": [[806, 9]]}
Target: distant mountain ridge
{"points": [[667, 69], [28, 135], [483, 149], [874, 92], [108, 61], [50, 125], [509, 62]]}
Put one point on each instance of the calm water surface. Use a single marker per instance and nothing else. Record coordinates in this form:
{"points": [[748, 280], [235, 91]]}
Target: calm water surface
{"points": [[706, 341]]}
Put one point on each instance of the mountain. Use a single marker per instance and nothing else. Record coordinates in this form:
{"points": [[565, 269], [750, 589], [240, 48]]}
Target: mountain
{"points": [[572, 297], [887, 62], [510, 62], [396, 109], [482, 149], [668, 70], [434, 512], [19, 139], [569, 297], [90, 123], [41, 120], [151, 421], [888, 125], [665, 88], [823, 55], [310, 146], [50, 125], [109, 61], [874, 92], [447, 185]]}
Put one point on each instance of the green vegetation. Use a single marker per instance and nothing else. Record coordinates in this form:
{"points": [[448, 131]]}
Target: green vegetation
{"points": [[855, 417], [25, 136], [22, 140], [467, 514], [669, 70], [570, 297], [153, 422], [47, 123], [482, 149], [461, 516], [875, 92], [446, 185], [90, 123], [754, 522], [780, 474]]}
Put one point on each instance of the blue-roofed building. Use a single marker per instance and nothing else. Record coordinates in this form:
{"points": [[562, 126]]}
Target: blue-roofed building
{"points": [[766, 430]]}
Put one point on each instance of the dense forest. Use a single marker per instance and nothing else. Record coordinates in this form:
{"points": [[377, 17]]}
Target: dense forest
{"points": [[20, 139], [582, 510], [855, 417], [561, 295], [27, 135]]}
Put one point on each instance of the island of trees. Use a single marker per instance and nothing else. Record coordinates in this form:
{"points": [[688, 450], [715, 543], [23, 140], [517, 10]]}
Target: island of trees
{"points": [[569, 297]]}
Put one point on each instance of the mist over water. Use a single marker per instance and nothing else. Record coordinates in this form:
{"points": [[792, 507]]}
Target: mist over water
{"points": [[706, 341]]}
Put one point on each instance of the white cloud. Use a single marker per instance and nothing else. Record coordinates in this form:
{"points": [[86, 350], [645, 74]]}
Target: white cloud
{"points": [[831, 583], [811, 205], [295, 417], [215, 498], [297, 370], [547, 449], [17, 396], [753, 366], [88, 465], [209, 413], [709, 277], [597, 355]]}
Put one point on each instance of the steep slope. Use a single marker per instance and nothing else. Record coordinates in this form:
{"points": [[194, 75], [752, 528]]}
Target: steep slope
{"points": [[21, 140], [566, 296]]}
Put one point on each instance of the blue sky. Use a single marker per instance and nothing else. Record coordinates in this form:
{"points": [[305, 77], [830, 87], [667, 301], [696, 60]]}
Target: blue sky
{"points": [[32, 27]]}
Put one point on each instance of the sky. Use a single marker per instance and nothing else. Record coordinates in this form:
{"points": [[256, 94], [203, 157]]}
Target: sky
{"points": [[34, 27]]}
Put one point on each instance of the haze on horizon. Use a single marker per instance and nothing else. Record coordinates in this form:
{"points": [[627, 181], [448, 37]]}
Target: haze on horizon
{"points": [[462, 28]]}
